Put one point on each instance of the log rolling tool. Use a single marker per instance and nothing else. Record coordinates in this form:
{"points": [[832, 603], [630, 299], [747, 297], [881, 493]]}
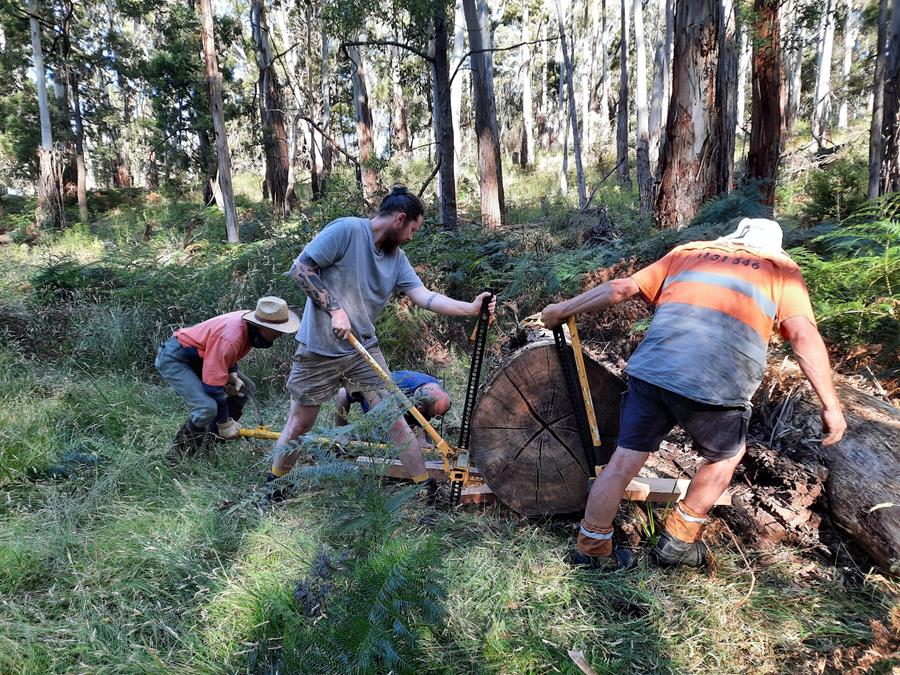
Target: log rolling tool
{"points": [[456, 460], [571, 361]]}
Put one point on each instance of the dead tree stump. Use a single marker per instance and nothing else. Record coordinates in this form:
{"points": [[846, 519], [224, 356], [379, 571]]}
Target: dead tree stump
{"points": [[525, 436]]}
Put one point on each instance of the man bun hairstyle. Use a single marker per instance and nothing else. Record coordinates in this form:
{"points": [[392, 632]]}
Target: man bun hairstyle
{"points": [[401, 200]]}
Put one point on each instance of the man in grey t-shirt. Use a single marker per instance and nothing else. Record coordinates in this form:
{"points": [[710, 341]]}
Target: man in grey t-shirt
{"points": [[348, 272]]}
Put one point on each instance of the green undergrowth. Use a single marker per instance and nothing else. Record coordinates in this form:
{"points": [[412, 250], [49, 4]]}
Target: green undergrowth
{"points": [[133, 565]]}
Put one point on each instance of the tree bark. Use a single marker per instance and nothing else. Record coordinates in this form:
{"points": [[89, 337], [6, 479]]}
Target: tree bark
{"points": [[526, 153], [793, 65], [573, 113], [49, 208], [644, 175], [214, 82], [876, 141], [81, 186], [659, 101], [363, 125], [766, 133], [401, 128], [849, 39], [271, 112], [525, 437], [623, 170], [746, 52], [456, 88], [327, 152], [726, 98], [315, 177], [690, 158], [890, 123], [443, 112], [603, 125], [822, 95], [490, 171]]}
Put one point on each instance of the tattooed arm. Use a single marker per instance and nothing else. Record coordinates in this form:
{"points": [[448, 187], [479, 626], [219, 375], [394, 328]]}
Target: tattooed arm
{"points": [[305, 271]]}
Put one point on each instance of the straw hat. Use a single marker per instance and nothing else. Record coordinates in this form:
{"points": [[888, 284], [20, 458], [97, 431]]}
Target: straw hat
{"points": [[272, 312]]}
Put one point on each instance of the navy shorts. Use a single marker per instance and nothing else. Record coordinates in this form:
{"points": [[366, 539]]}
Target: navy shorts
{"points": [[649, 413]]}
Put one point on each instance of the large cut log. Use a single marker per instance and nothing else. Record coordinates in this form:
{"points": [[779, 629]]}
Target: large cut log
{"points": [[525, 436], [863, 470]]}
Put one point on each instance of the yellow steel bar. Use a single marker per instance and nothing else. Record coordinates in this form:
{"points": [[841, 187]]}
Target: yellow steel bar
{"points": [[582, 378], [266, 434], [442, 446], [260, 432]]}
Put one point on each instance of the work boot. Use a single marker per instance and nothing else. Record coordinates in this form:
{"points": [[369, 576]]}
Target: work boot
{"points": [[621, 559], [189, 440], [670, 551], [273, 492]]}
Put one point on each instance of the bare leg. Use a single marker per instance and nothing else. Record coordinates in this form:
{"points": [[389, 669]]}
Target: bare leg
{"points": [[411, 456], [342, 407], [710, 482], [300, 420], [609, 486]]}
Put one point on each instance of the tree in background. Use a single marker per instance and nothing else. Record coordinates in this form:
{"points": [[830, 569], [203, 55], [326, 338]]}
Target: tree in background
{"points": [[50, 195], [890, 120], [271, 114], [766, 116], [214, 82], [691, 162]]}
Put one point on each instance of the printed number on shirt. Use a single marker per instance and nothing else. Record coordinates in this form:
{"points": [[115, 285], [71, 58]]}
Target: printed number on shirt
{"points": [[718, 257]]}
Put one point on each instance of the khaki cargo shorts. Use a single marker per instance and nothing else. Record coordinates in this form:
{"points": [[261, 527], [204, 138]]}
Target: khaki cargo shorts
{"points": [[315, 379]]}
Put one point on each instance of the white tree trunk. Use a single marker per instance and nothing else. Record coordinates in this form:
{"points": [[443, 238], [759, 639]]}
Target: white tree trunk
{"points": [[603, 127], [573, 113], [822, 96], [849, 40], [793, 57], [40, 77], [622, 111], [364, 136], [659, 99], [743, 75], [527, 150], [456, 87], [644, 177]]}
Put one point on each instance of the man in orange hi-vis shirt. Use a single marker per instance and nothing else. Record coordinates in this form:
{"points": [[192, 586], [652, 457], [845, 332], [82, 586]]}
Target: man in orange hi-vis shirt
{"points": [[201, 364], [698, 366]]}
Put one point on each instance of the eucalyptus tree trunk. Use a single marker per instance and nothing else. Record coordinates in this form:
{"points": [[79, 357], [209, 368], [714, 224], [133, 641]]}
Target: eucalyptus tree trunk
{"points": [[592, 39], [726, 98], [214, 82], [876, 141], [644, 175], [573, 113], [327, 151], [849, 39], [526, 152], [659, 100], [363, 125], [793, 63], [271, 114], [622, 109], [315, 176], [71, 77], [603, 126], [746, 52], [49, 193], [822, 95], [401, 128], [456, 87], [122, 169], [766, 116], [490, 172], [443, 114], [890, 123], [690, 162]]}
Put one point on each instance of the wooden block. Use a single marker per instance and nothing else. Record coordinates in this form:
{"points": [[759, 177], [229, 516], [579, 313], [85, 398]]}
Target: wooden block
{"points": [[477, 494], [664, 490]]}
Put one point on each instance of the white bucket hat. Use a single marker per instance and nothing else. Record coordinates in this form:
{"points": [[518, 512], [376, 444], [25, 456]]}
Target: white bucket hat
{"points": [[761, 233], [272, 312]]}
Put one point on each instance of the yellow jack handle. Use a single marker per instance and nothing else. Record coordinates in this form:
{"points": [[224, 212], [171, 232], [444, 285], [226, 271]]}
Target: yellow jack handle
{"points": [[585, 385], [455, 466]]}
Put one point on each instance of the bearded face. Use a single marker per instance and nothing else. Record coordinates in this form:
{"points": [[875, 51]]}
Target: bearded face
{"points": [[391, 241]]}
